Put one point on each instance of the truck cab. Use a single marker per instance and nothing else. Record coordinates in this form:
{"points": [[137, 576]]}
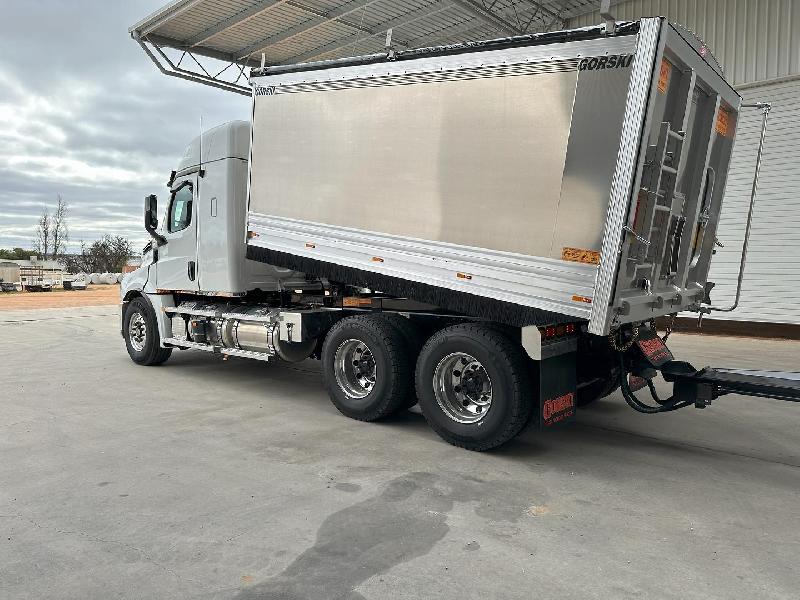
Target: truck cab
{"points": [[199, 243]]}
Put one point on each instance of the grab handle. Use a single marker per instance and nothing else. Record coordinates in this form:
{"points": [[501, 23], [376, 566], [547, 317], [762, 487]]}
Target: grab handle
{"points": [[764, 107]]}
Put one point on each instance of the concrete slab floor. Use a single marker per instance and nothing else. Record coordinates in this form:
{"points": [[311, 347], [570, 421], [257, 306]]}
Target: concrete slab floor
{"points": [[239, 480]]}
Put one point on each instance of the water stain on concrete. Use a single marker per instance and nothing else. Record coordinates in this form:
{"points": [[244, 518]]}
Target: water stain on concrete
{"points": [[348, 487], [399, 524], [403, 522]]}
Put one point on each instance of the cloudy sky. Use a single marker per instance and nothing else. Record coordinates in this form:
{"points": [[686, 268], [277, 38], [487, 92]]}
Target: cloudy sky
{"points": [[85, 114]]}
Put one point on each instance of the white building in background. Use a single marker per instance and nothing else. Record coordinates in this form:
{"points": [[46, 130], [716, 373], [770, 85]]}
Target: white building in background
{"points": [[35, 272], [9, 271], [758, 44]]}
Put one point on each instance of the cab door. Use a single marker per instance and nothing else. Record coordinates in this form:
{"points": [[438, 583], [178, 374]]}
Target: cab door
{"points": [[177, 259]]}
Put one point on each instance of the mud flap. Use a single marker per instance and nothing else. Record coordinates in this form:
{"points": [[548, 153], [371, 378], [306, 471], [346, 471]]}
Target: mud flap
{"points": [[558, 384]]}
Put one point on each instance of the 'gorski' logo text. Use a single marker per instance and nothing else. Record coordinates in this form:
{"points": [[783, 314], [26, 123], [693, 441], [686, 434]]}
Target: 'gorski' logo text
{"points": [[615, 61]]}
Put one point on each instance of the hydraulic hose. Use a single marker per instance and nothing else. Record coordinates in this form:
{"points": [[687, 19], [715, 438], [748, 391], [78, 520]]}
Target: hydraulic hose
{"points": [[667, 405]]}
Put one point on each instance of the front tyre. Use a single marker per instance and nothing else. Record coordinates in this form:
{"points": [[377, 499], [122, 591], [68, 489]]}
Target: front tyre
{"points": [[140, 330], [474, 386]]}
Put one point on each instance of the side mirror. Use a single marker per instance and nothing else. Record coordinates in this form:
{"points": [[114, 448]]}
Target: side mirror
{"points": [[151, 218]]}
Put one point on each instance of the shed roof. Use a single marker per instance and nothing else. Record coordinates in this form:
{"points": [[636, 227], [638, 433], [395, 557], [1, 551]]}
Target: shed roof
{"points": [[240, 32]]}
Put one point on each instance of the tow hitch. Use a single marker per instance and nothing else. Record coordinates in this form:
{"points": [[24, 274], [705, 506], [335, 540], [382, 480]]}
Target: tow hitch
{"points": [[648, 355]]}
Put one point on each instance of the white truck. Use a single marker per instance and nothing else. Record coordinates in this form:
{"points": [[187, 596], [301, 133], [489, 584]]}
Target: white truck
{"points": [[488, 229]]}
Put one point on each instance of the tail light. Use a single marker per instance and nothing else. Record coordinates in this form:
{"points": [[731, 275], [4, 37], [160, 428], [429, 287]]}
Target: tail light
{"points": [[557, 331]]}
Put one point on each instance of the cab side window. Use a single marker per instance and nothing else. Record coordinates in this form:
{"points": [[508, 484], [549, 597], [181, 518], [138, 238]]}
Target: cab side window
{"points": [[180, 208]]}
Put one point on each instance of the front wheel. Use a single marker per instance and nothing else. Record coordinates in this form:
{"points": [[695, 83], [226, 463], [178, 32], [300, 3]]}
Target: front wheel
{"points": [[140, 330], [474, 386]]}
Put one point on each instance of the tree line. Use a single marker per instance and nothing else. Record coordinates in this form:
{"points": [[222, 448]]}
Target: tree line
{"points": [[108, 254]]}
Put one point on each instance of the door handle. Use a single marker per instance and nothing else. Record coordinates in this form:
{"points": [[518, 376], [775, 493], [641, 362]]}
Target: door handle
{"points": [[190, 269]]}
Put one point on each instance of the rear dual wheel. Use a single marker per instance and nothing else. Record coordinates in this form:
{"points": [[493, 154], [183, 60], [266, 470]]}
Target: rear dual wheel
{"points": [[474, 386], [368, 366], [472, 381]]}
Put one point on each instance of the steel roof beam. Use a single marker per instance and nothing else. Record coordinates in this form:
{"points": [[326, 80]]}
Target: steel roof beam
{"points": [[233, 21], [313, 23], [166, 42], [381, 29], [447, 34], [480, 11], [540, 6], [164, 16], [462, 32], [173, 71]]}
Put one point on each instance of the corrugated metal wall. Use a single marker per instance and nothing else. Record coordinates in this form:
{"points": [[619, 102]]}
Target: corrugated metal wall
{"points": [[758, 44], [772, 277], [755, 40]]}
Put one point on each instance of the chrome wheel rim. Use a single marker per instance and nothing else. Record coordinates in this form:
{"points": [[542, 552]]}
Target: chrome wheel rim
{"points": [[463, 388], [137, 331], [355, 368]]}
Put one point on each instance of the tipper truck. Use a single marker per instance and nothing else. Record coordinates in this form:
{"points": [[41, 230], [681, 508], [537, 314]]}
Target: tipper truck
{"points": [[488, 229]]}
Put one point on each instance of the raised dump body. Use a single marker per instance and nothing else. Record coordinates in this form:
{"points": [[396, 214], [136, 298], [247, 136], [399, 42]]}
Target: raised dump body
{"points": [[571, 174]]}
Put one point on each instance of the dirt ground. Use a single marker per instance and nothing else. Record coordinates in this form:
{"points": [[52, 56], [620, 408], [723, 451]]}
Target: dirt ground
{"points": [[94, 295]]}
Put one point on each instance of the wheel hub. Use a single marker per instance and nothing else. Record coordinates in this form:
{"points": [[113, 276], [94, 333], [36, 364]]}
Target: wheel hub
{"points": [[463, 388], [355, 368], [137, 331]]}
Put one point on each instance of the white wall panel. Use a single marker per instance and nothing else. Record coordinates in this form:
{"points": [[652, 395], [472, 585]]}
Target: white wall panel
{"points": [[754, 40], [771, 290]]}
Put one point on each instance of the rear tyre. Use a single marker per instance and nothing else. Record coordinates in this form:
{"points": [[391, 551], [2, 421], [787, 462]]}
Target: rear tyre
{"points": [[414, 342], [474, 386], [140, 330], [366, 367]]}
